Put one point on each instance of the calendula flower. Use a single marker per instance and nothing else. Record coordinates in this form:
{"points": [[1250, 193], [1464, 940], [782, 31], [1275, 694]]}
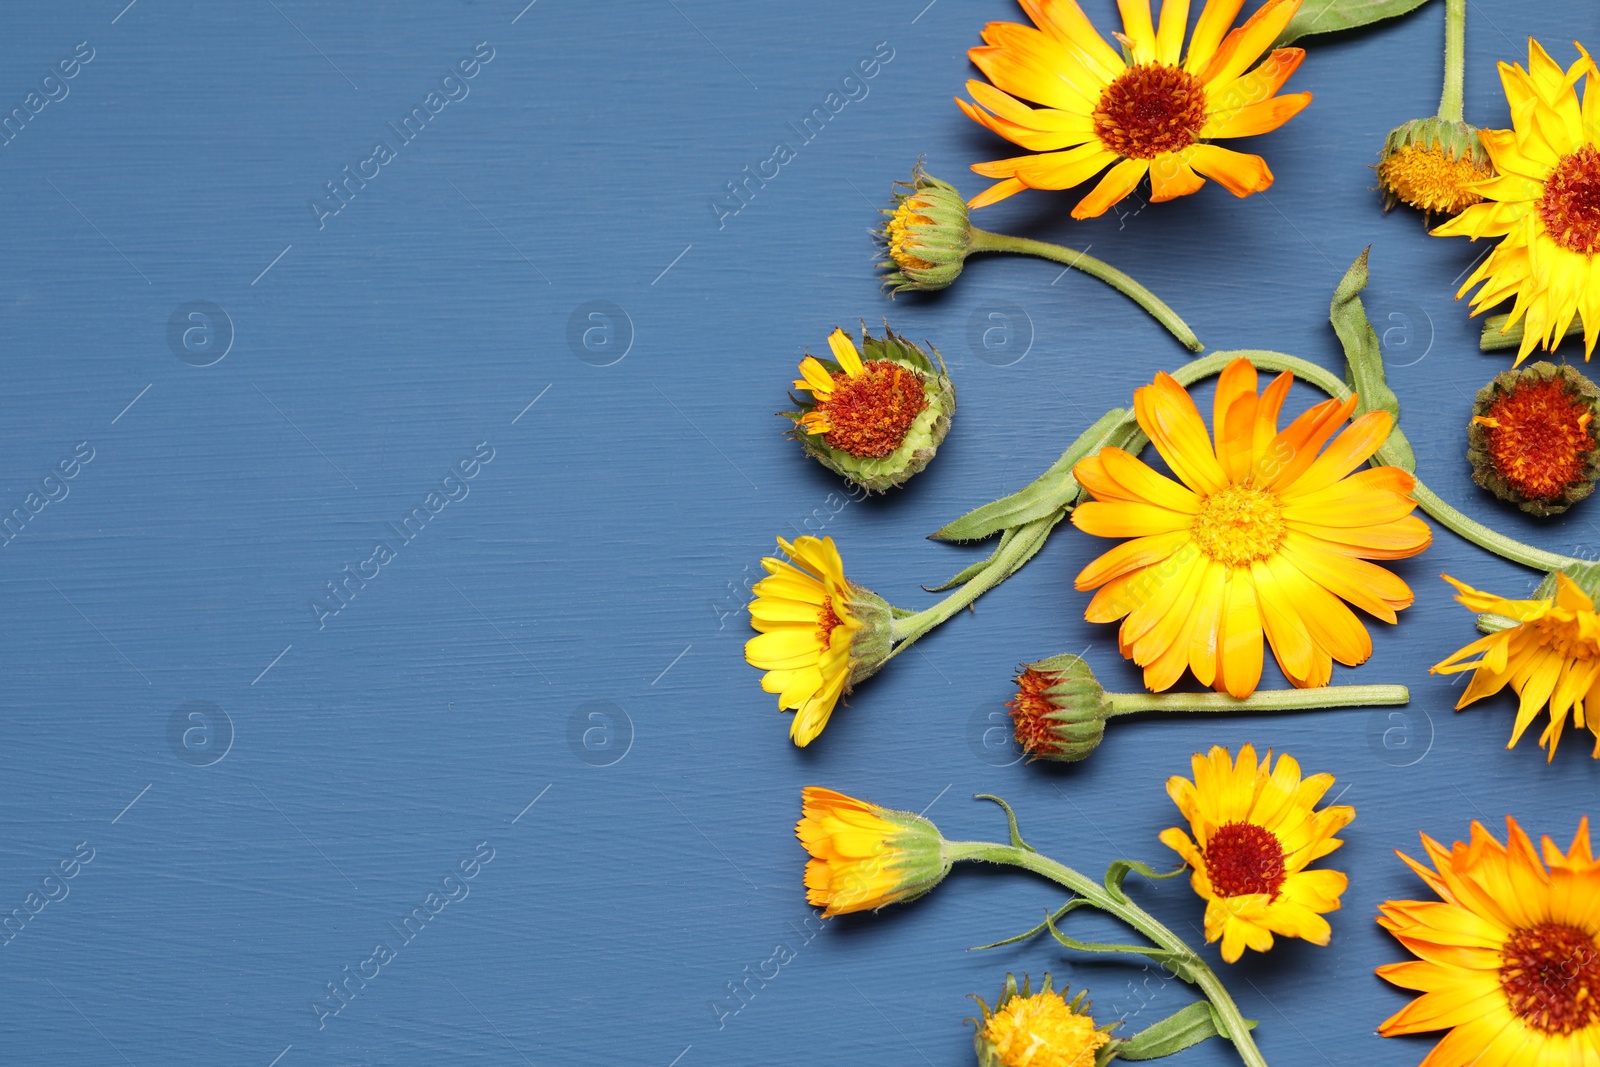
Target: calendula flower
{"points": [[1508, 959], [1434, 166], [864, 857], [1260, 535], [1150, 114], [875, 415], [1550, 658], [1545, 203], [1060, 710], [1043, 1029], [1533, 441], [820, 632], [927, 235], [1255, 832]]}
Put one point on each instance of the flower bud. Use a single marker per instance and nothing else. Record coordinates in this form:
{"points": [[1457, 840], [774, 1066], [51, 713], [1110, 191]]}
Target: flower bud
{"points": [[875, 415], [1043, 1029], [927, 236], [1060, 710], [864, 857], [1533, 440], [1433, 165]]}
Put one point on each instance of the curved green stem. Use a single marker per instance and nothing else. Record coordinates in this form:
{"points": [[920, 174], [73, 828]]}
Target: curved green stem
{"points": [[1022, 546], [1230, 1022], [1455, 47], [1483, 537], [1334, 696], [984, 241]]}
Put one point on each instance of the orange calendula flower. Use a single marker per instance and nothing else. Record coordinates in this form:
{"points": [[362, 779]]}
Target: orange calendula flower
{"points": [[820, 632], [1150, 114], [864, 857], [876, 420], [1255, 831], [1508, 959], [1043, 1029], [1545, 204], [1550, 658], [1260, 535]]}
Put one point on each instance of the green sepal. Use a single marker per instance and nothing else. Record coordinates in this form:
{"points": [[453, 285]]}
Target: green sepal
{"points": [[1053, 490], [1011, 822], [1336, 15], [1183, 1029], [1118, 872], [1493, 340], [1364, 363], [1181, 964]]}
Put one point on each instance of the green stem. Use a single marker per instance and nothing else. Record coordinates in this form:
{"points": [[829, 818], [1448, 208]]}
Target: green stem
{"points": [[1483, 537], [1230, 1022], [1455, 48], [984, 241], [1494, 340], [1027, 541], [1336, 696]]}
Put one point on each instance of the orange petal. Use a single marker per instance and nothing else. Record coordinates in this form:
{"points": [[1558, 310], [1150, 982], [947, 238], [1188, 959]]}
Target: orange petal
{"points": [[1252, 120], [1237, 172], [1215, 19], [1118, 183], [1169, 418]]}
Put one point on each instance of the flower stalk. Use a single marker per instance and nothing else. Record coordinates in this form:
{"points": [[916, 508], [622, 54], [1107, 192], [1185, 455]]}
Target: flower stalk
{"points": [[1455, 65], [1315, 699], [985, 241]]}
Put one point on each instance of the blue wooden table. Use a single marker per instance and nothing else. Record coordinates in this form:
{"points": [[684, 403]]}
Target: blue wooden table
{"points": [[415, 373]]}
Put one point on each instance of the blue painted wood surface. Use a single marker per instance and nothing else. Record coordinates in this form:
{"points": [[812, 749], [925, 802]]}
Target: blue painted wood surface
{"points": [[525, 330]]}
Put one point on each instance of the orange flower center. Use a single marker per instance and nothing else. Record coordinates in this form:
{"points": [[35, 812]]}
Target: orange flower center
{"points": [[1539, 438], [870, 414], [1244, 858], [1431, 179], [826, 622], [1551, 976], [1028, 710], [1570, 206], [1150, 109], [1238, 525], [1565, 637]]}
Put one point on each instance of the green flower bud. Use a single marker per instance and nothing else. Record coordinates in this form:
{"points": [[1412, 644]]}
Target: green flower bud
{"points": [[927, 237], [1060, 710]]}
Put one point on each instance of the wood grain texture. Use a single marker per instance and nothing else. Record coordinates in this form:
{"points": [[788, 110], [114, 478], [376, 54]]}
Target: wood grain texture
{"points": [[596, 566]]}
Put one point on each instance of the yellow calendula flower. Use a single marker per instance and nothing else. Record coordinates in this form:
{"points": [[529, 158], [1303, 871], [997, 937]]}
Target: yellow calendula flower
{"points": [[1508, 957], [1255, 831], [1149, 114], [864, 857], [1434, 166], [1043, 1029], [1550, 658], [1260, 535], [820, 632], [1544, 204]]}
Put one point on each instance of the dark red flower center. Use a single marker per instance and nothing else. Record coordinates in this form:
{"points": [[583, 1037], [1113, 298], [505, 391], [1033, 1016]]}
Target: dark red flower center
{"points": [[870, 414], [1028, 710], [826, 622], [1570, 206], [1150, 109], [1243, 858], [1551, 975]]}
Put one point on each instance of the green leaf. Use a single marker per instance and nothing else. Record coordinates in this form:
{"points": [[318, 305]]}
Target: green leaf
{"points": [[1011, 821], [1053, 490], [1331, 16], [1364, 357], [1178, 1031], [1117, 873], [1180, 963], [977, 568], [1055, 916]]}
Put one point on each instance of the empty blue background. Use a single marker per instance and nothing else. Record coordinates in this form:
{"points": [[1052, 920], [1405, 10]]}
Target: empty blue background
{"points": [[569, 631]]}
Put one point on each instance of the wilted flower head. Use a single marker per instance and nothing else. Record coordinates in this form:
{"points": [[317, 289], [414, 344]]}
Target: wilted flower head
{"points": [[1432, 164]]}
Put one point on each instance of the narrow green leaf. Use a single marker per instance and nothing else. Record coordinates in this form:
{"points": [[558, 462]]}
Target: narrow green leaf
{"points": [[1118, 872], [1364, 361], [1011, 822], [1051, 491], [1180, 964], [1178, 1031], [983, 564], [1331, 16], [1055, 916]]}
